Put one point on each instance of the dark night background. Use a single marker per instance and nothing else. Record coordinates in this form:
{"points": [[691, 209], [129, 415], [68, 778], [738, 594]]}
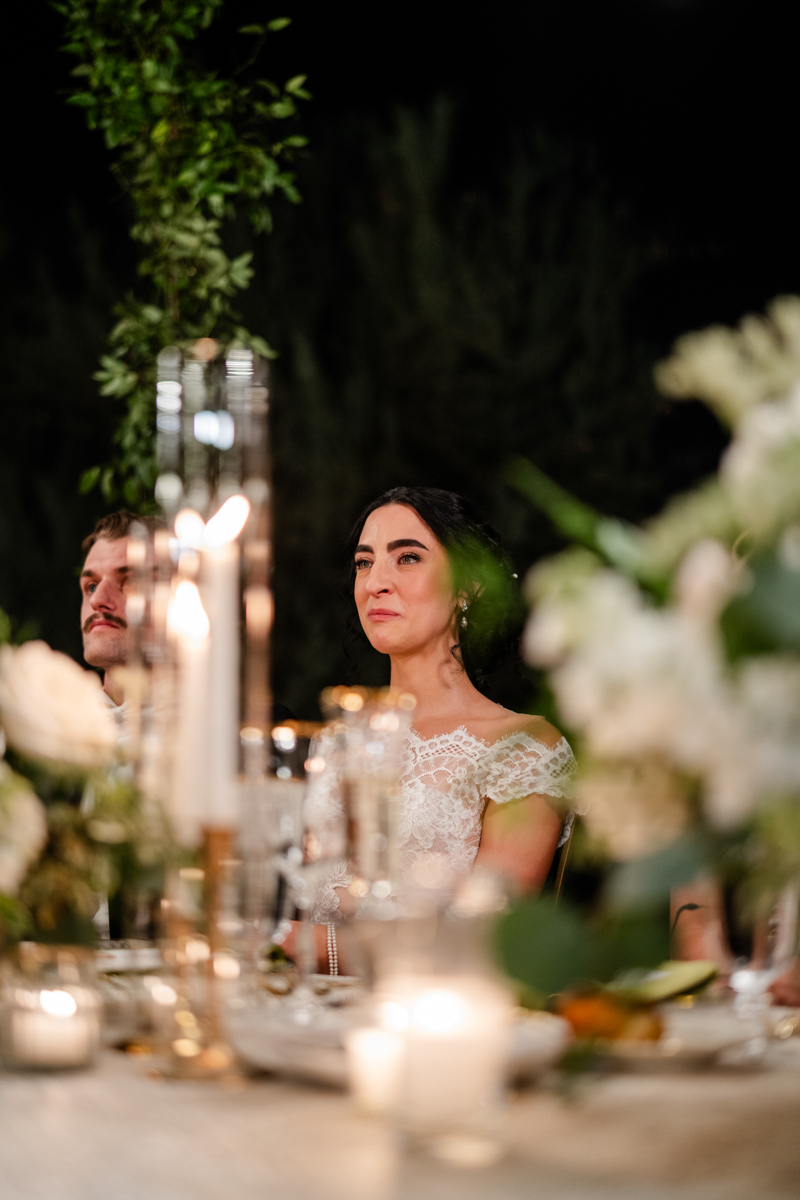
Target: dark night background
{"points": [[509, 215]]}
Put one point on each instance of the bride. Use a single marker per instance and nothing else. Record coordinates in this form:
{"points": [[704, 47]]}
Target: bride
{"points": [[480, 783]]}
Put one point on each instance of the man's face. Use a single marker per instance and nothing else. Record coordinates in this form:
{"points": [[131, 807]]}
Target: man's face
{"points": [[104, 583]]}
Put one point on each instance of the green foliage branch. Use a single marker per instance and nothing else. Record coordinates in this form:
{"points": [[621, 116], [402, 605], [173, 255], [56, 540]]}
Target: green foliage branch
{"points": [[193, 149]]}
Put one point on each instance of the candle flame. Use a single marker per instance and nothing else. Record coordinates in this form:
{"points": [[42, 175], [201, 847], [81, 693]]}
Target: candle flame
{"points": [[439, 1011], [284, 737], [162, 993], [189, 528], [186, 614], [228, 522], [58, 1003]]}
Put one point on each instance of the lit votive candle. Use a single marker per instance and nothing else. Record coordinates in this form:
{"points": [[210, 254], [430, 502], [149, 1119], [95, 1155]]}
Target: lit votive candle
{"points": [[454, 1032], [51, 1027], [374, 1060]]}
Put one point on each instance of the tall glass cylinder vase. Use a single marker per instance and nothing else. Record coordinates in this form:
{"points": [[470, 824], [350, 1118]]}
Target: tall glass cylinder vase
{"points": [[202, 607], [199, 699]]}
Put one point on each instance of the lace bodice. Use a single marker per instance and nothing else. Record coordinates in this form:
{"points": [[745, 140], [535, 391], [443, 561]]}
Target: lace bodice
{"points": [[447, 783]]}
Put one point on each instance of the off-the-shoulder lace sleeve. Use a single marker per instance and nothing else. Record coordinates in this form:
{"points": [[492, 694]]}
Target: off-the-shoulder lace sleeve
{"points": [[326, 909], [519, 766]]}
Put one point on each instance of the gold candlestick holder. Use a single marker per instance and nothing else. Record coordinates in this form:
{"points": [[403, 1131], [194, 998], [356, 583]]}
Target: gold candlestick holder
{"points": [[191, 1024]]}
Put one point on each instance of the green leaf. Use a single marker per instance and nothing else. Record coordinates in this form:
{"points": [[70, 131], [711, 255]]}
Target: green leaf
{"points": [[543, 945], [281, 109], [279, 23], [295, 83], [767, 617], [576, 520], [619, 543], [257, 344], [83, 100], [646, 882], [131, 492], [89, 480], [107, 483], [255, 29], [15, 918], [629, 941]]}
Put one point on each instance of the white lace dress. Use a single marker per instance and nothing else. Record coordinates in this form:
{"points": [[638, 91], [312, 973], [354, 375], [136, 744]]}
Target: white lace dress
{"points": [[447, 782]]}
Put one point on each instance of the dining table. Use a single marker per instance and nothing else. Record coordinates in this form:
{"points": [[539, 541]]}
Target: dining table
{"points": [[123, 1131]]}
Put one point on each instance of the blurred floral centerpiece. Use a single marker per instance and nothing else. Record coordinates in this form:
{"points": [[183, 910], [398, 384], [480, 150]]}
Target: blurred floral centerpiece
{"points": [[73, 827], [673, 650]]}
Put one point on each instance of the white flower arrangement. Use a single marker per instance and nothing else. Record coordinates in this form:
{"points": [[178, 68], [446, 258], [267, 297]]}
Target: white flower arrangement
{"points": [[51, 709], [648, 686]]}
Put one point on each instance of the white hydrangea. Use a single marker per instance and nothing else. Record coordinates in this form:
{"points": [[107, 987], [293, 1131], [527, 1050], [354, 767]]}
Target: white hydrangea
{"points": [[23, 829], [634, 679], [645, 683], [761, 467], [51, 708], [759, 757], [735, 370]]}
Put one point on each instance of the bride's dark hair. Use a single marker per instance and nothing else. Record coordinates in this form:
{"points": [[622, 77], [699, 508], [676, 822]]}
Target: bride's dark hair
{"points": [[480, 568]]}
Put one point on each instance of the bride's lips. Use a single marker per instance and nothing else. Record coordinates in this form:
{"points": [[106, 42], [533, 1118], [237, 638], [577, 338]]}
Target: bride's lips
{"points": [[381, 614]]}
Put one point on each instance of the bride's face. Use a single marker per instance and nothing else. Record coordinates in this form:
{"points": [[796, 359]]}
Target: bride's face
{"points": [[403, 589]]}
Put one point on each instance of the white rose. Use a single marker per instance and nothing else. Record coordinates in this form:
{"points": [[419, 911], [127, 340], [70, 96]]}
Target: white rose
{"points": [[23, 829], [51, 708]]}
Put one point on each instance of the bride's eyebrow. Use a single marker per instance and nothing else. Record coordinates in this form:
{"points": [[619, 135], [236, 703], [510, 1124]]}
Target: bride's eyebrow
{"points": [[364, 550], [405, 542]]}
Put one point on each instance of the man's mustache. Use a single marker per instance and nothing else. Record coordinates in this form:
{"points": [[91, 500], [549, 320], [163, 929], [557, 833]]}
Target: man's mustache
{"points": [[95, 617]]}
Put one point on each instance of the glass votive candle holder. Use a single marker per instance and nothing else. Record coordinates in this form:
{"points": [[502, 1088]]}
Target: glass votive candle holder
{"points": [[50, 1014], [453, 1031], [374, 1064]]}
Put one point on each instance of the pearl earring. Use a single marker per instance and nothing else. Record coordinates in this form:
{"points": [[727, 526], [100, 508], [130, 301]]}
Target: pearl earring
{"points": [[464, 607]]}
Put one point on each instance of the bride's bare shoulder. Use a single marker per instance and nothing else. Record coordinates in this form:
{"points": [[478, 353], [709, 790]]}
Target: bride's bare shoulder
{"points": [[508, 722]]}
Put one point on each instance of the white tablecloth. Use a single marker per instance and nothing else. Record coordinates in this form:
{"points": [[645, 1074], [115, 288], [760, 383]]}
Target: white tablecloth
{"points": [[115, 1134]]}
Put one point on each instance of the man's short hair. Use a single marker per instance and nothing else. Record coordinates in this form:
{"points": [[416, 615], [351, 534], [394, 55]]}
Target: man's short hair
{"points": [[118, 525]]}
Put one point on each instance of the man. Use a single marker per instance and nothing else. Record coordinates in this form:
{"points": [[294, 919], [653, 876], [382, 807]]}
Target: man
{"points": [[104, 590]]}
